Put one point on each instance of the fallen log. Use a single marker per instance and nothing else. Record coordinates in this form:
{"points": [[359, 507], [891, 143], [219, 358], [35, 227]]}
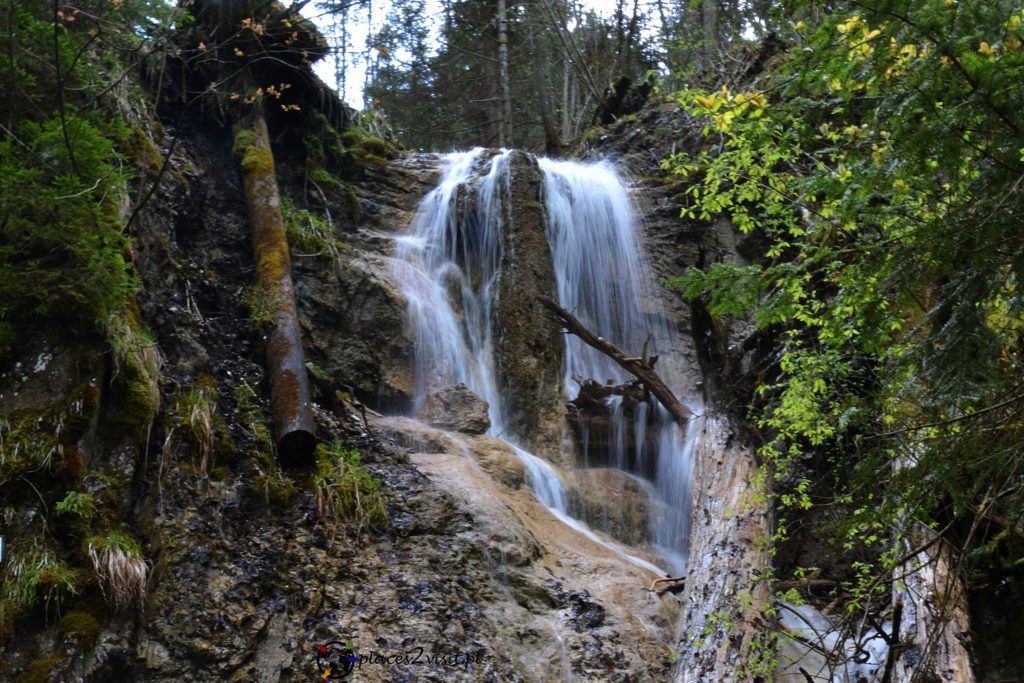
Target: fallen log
{"points": [[640, 367], [290, 403]]}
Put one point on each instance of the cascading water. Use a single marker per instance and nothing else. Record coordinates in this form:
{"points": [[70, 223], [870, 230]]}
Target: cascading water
{"points": [[601, 275], [448, 270]]}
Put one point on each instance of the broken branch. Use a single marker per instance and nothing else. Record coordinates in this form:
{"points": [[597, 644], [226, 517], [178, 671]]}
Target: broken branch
{"points": [[640, 368]]}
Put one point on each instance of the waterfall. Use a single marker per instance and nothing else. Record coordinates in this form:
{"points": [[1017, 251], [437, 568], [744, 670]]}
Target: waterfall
{"points": [[601, 275], [448, 269]]}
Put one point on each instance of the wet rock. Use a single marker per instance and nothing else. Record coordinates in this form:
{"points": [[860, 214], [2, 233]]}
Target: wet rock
{"points": [[614, 502], [528, 347], [354, 326], [456, 408]]}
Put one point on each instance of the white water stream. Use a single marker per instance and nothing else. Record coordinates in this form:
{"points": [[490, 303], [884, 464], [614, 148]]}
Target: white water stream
{"points": [[448, 270]]}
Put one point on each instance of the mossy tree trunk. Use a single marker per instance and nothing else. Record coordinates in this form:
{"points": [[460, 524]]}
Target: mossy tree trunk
{"points": [[294, 427]]}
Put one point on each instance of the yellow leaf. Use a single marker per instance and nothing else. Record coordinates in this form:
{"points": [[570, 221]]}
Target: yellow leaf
{"points": [[849, 25], [1013, 44], [899, 184], [986, 49], [871, 35], [836, 84], [1014, 22], [799, 26]]}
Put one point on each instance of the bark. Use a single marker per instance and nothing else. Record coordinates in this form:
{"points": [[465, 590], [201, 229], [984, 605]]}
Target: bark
{"points": [[935, 627], [547, 117], [566, 105], [640, 367], [505, 137], [726, 588], [290, 404], [709, 32]]}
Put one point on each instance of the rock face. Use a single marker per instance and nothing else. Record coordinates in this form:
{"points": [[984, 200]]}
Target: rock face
{"points": [[354, 318], [614, 502], [528, 346], [355, 294], [456, 408]]}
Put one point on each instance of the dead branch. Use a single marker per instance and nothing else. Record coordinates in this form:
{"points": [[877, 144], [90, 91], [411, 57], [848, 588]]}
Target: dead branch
{"points": [[641, 368], [669, 583]]}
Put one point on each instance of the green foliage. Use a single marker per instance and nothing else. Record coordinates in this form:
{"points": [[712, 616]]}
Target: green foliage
{"points": [[308, 233], [62, 246], [191, 417], [77, 505], [344, 490], [32, 575], [883, 175]]}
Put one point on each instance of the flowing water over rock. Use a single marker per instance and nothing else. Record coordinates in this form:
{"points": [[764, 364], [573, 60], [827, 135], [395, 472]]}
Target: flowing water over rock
{"points": [[450, 269]]}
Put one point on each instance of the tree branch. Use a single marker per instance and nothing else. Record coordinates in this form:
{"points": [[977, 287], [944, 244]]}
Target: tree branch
{"points": [[641, 368]]}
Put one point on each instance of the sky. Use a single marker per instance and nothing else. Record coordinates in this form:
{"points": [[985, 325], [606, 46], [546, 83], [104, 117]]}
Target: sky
{"points": [[359, 28]]}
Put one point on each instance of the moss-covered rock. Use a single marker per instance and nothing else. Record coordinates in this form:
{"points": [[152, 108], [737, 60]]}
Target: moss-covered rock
{"points": [[80, 625], [528, 345]]}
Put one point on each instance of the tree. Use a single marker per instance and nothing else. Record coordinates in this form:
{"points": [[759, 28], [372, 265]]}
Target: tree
{"points": [[883, 176]]}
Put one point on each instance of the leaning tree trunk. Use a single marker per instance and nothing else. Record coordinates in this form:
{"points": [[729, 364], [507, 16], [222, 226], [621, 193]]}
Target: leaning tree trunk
{"points": [[721, 625], [289, 385]]}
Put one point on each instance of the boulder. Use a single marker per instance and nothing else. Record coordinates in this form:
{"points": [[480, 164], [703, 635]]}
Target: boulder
{"points": [[456, 408]]}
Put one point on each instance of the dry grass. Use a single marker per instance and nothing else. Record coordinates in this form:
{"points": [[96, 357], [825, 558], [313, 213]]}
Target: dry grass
{"points": [[120, 570]]}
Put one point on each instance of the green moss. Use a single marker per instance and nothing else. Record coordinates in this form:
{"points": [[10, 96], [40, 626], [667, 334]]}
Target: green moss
{"points": [[244, 139], [353, 209], [38, 670], [260, 304], [141, 149], [258, 162], [365, 158], [81, 626], [136, 373]]}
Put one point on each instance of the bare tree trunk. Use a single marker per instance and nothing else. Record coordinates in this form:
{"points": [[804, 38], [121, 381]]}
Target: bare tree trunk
{"points": [[935, 626], [709, 33], [720, 624], [566, 105], [547, 117], [625, 57], [505, 136], [289, 385]]}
